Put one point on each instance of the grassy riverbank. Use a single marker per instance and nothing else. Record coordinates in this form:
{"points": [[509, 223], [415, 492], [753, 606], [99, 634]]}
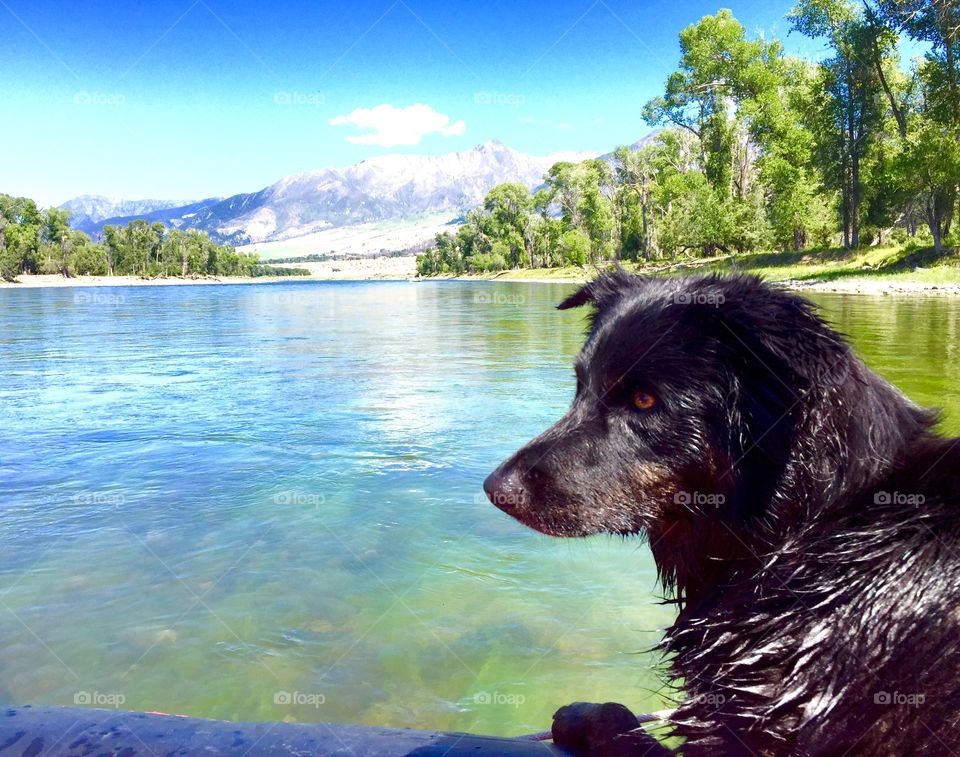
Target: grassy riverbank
{"points": [[887, 268]]}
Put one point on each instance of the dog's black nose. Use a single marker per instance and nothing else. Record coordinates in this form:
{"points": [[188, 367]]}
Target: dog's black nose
{"points": [[504, 489]]}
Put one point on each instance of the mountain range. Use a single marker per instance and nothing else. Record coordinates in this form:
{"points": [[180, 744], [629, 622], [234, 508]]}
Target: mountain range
{"points": [[381, 189], [90, 212]]}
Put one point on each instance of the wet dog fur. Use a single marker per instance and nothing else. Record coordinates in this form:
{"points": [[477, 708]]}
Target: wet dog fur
{"points": [[802, 512]]}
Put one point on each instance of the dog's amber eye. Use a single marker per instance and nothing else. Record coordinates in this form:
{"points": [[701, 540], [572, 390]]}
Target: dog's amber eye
{"points": [[643, 400]]}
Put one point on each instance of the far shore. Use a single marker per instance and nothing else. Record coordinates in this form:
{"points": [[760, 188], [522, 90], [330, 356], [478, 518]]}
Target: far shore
{"points": [[346, 269], [57, 281], [895, 284], [899, 284]]}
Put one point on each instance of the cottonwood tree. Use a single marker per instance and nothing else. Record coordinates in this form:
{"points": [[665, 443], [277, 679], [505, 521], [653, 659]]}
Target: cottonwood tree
{"points": [[929, 117], [848, 114], [55, 236], [508, 206]]}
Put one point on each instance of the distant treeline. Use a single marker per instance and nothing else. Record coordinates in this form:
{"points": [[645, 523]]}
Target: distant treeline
{"points": [[758, 150], [323, 257], [41, 241]]}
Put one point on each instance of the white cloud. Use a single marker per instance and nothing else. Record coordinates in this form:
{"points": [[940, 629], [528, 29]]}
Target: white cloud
{"points": [[390, 126]]}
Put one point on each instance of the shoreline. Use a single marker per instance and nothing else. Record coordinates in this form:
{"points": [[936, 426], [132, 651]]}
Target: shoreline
{"points": [[894, 285], [899, 284], [903, 287], [56, 281], [398, 268]]}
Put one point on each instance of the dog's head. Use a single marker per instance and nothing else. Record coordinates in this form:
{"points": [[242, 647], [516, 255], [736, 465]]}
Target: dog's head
{"points": [[689, 395]]}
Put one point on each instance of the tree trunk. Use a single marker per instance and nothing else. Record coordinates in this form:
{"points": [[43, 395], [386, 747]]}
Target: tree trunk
{"points": [[845, 209], [949, 202], [878, 66], [855, 203], [851, 236], [933, 222], [644, 209], [949, 34]]}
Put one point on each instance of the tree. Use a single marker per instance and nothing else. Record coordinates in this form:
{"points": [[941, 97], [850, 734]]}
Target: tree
{"points": [[141, 242], [175, 252], [719, 67], [55, 232], [578, 190], [635, 173], [697, 218], [929, 165], [564, 189], [545, 230], [21, 234], [508, 206], [936, 22], [847, 116], [156, 247], [597, 208], [114, 246], [9, 260], [89, 258], [574, 248]]}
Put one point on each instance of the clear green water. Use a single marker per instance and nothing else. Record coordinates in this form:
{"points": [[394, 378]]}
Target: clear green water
{"points": [[214, 497]]}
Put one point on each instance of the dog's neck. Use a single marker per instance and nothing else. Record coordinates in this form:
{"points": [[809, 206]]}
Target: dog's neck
{"points": [[696, 556], [848, 441]]}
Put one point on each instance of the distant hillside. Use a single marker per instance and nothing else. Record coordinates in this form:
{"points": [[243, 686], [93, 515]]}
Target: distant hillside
{"points": [[92, 212], [169, 215]]}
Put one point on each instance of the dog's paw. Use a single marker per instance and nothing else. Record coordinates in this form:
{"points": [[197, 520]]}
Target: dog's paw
{"points": [[602, 730]]}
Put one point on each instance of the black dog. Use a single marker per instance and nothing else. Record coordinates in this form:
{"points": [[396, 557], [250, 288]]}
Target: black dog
{"points": [[800, 509]]}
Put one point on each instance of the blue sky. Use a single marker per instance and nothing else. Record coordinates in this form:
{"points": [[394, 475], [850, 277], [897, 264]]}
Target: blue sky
{"points": [[197, 98]]}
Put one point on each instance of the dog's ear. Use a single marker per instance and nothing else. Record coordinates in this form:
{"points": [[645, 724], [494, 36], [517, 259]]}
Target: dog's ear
{"points": [[776, 333], [784, 359], [603, 290], [783, 334]]}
